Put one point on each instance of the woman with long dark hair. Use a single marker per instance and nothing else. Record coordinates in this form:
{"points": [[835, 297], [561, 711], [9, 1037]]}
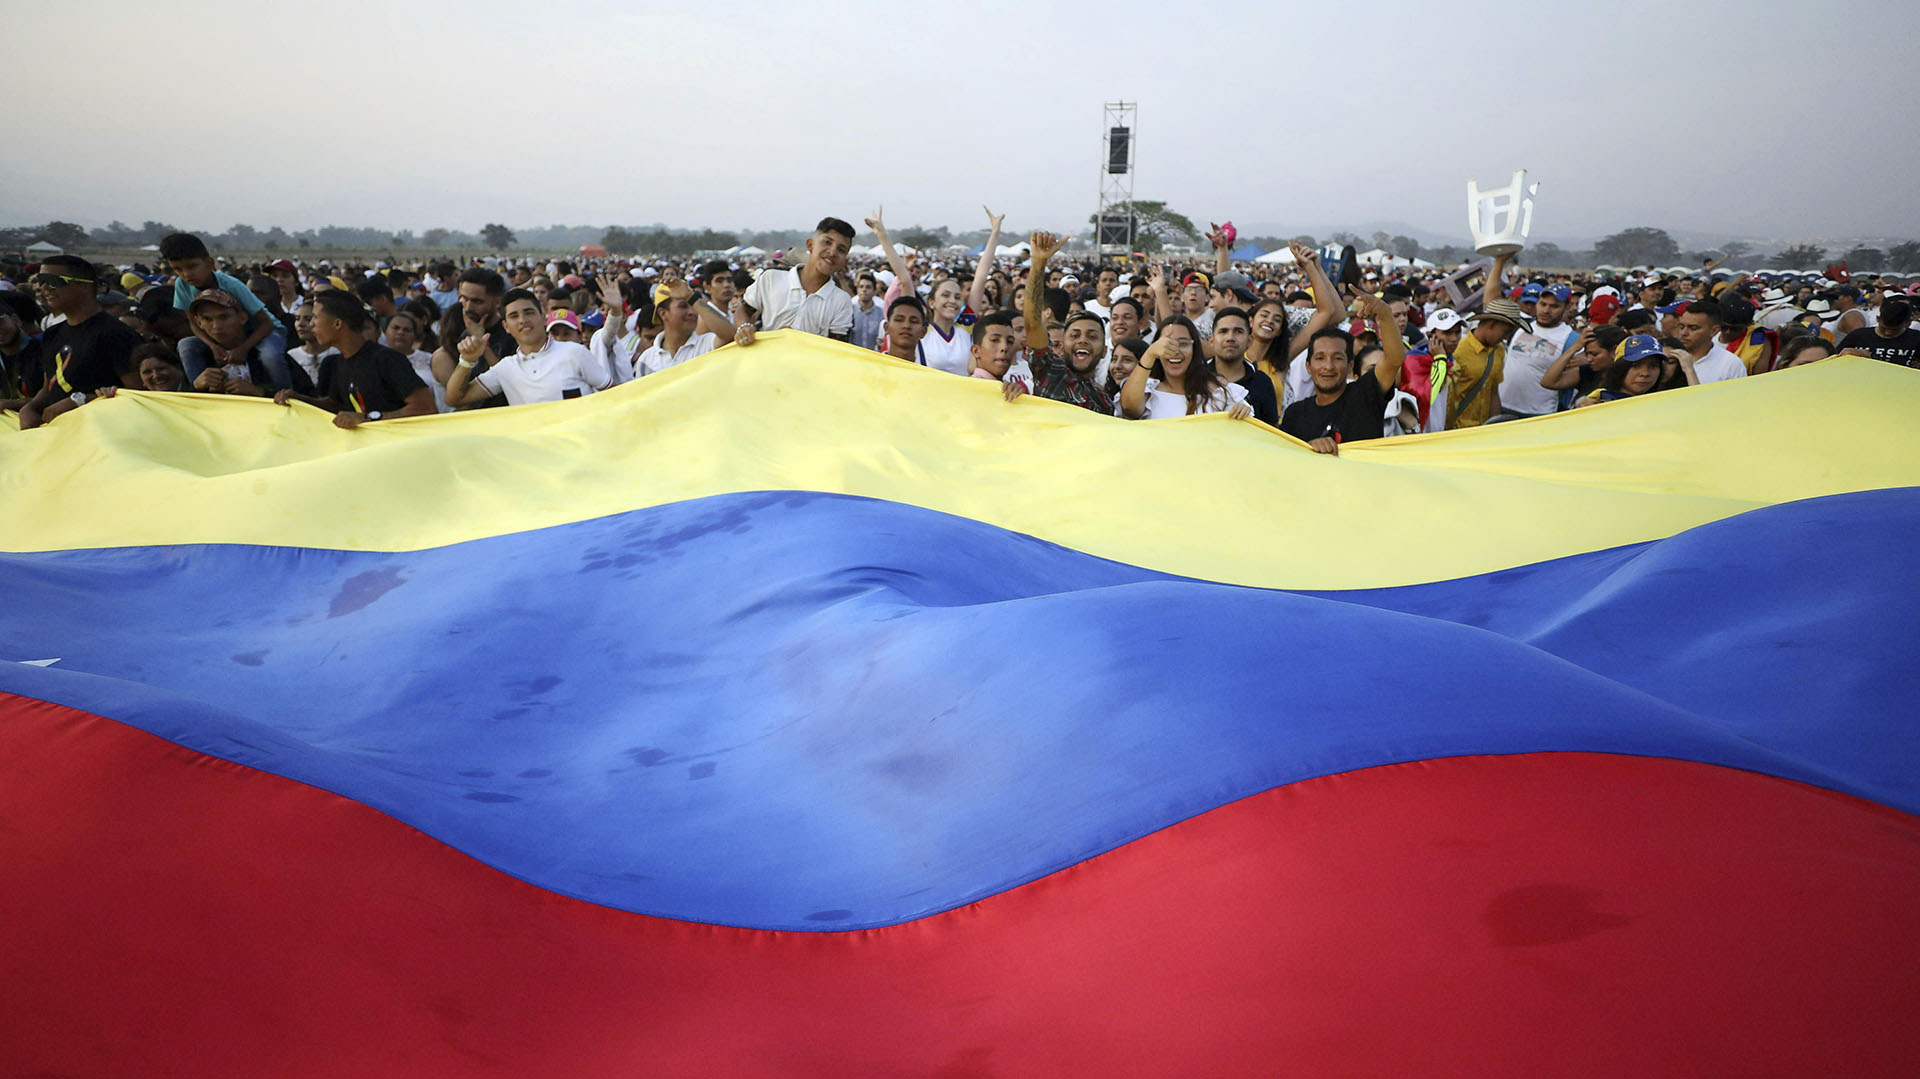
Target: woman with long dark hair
{"points": [[1175, 379]]}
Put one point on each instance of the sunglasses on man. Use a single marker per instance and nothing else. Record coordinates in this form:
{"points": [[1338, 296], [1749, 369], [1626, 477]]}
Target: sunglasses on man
{"points": [[54, 280]]}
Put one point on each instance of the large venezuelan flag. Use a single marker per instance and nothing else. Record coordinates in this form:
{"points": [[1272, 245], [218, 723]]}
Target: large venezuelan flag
{"points": [[797, 712]]}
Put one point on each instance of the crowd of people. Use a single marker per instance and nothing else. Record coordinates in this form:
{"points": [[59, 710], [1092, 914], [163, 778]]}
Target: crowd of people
{"points": [[1319, 347]]}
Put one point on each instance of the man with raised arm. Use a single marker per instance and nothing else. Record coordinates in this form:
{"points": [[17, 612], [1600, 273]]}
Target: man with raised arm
{"points": [[1073, 377], [1473, 387], [1342, 411]]}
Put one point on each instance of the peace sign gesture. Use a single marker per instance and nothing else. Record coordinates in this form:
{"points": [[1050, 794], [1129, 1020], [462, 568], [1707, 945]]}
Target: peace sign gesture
{"points": [[993, 219]]}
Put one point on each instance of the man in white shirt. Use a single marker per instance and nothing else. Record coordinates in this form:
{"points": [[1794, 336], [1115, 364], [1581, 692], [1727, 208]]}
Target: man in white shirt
{"points": [[542, 370], [679, 318], [1699, 333], [1531, 352], [805, 299]]}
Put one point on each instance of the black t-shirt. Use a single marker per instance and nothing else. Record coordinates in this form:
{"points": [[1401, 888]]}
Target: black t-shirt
{"points": [[1357, 413], [1903, 350], [1261, 396], [95, 353], [374, 379]]}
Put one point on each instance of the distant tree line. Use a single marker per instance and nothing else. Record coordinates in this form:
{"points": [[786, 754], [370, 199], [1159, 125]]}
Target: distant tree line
{"points": [[1640, 246]]}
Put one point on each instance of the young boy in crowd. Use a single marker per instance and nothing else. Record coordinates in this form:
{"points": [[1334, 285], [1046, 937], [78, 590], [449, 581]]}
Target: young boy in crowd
{"points": [[193, 271]]}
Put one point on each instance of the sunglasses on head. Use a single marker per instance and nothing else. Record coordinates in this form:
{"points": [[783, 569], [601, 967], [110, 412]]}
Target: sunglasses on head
{"points": [[54, 280]]}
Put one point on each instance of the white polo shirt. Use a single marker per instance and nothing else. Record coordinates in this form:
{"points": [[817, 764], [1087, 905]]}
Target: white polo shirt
{"points": [[655, 360], [560, 370], [784, 304], [1718, 365]]}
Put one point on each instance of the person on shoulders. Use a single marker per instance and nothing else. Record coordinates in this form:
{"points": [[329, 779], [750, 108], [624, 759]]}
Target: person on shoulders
{"points": [[362, 381], [192, 265], [541, 369], [217, 319]]}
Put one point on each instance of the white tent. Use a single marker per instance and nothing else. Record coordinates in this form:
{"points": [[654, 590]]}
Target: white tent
{"points": [[1372, 258], [748, 252], [44, 248], [1282, 256], [1005, 252]]}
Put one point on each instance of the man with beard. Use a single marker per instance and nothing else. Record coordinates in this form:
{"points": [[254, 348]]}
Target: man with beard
{"points": [[1531, 352], [1072, 378], [477, 313]]}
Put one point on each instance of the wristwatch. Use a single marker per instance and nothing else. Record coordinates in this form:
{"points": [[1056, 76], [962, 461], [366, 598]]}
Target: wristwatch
{"points": [[374, 415], [78, 398]]}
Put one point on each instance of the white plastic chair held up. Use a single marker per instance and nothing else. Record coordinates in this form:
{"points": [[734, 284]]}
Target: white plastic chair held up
{"points": [[1501, 218]]}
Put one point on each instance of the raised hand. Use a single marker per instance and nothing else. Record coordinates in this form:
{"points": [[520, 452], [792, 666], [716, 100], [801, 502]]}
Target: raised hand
{"points": [[993, 219], [1368, 305], [1045, 245], [1301, 253], [471, 347], [610, 293], [1217, 236], [877, 223]]}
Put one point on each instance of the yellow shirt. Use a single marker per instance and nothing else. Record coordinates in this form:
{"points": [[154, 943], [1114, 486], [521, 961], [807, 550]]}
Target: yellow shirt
{"points": [[1470, 359]]}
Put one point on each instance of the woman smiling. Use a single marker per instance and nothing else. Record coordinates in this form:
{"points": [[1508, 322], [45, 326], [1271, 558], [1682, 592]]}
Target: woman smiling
{"points": [[1174, 379]]}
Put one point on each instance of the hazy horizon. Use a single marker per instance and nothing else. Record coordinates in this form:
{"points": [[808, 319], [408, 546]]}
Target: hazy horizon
{"points": [[658, 113]]}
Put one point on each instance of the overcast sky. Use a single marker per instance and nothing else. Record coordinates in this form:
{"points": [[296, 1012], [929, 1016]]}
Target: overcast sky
{"points": [[1757, 117]]}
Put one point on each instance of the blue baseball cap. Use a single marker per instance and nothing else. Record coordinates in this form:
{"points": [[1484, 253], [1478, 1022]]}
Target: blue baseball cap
{"points": [[1529, 293], [1558, 292], [1640, 347], [1671, 308]]}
